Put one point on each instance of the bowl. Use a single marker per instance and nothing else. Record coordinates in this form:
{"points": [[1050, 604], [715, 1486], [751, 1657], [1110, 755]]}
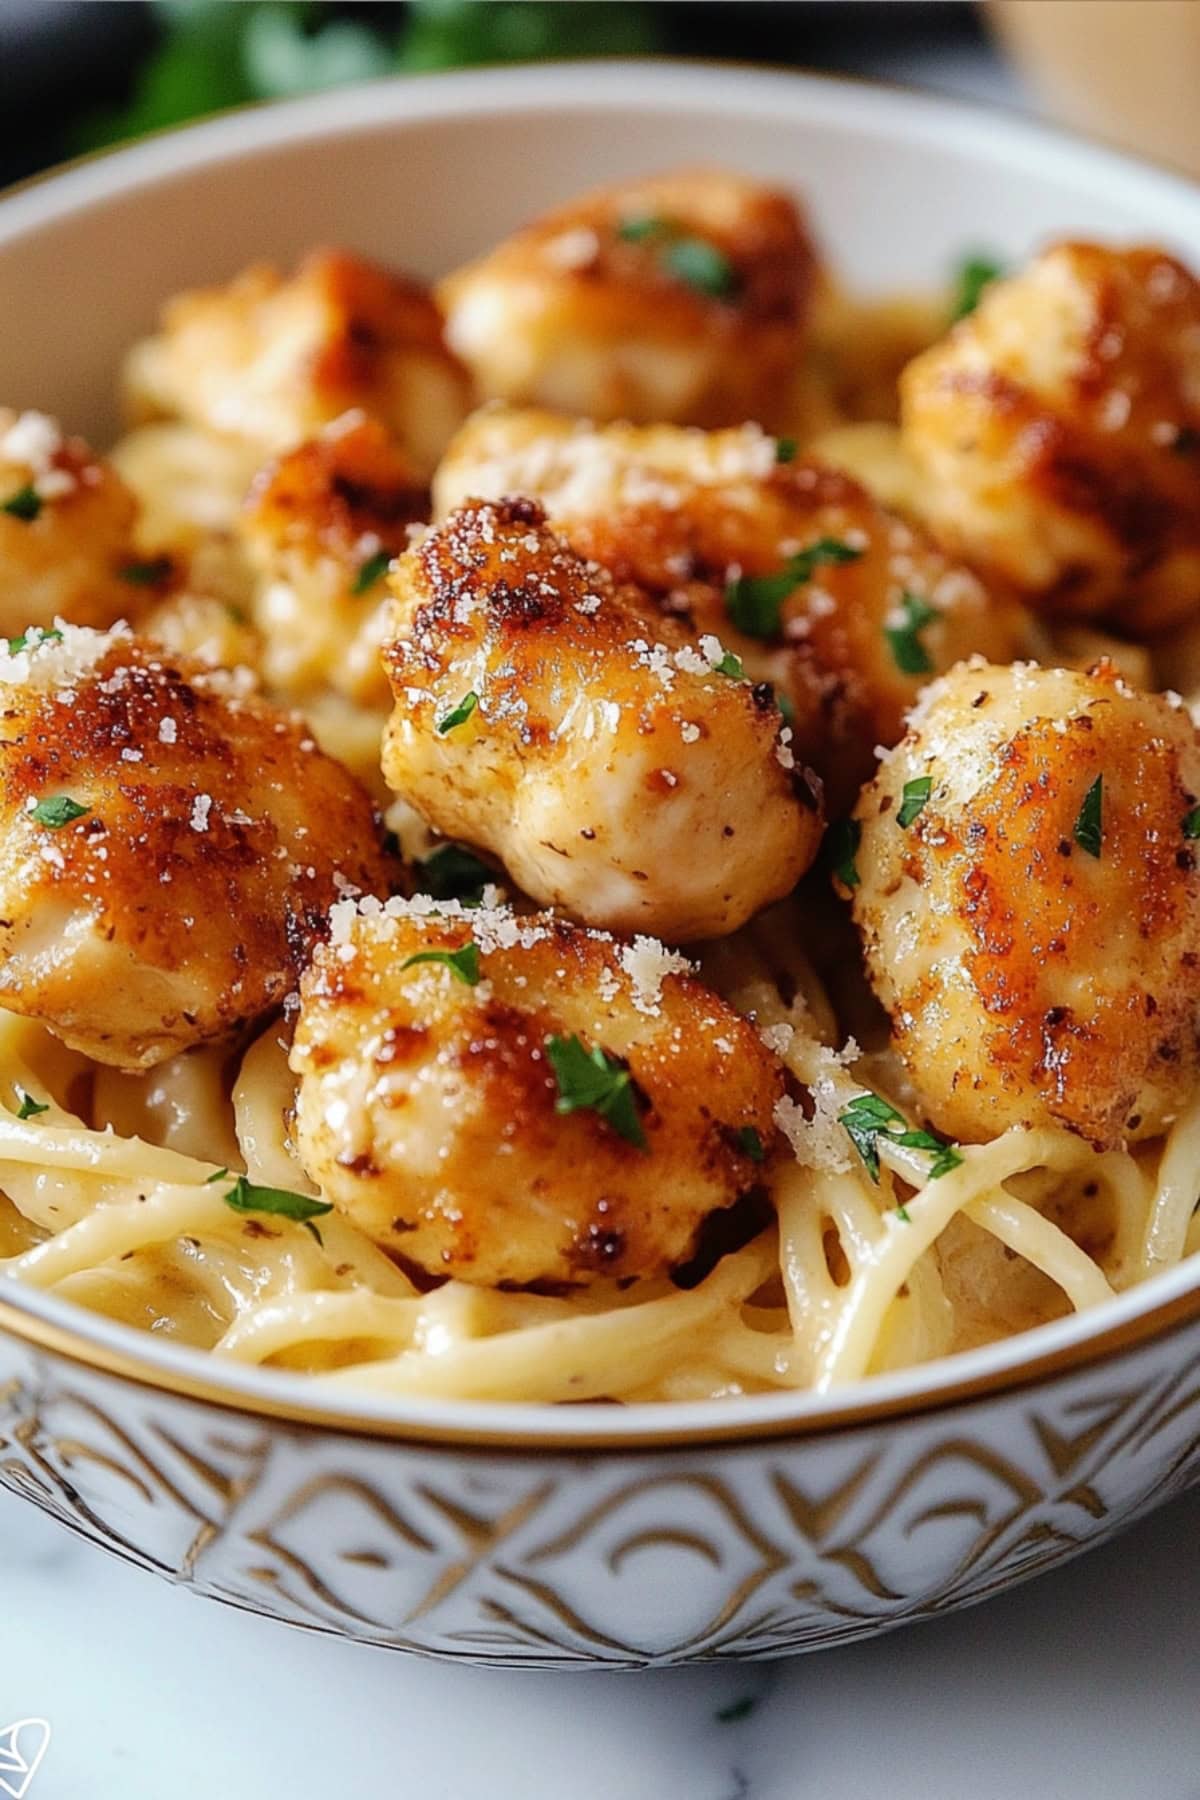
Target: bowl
{"points": [[588, 1535]]}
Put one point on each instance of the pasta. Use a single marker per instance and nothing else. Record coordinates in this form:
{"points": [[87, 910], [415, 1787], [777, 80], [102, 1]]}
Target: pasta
{"points": [[427, 1114]]}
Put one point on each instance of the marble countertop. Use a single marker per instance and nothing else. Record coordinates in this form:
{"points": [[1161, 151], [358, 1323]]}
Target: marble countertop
{"points": [[1080, 1686]]}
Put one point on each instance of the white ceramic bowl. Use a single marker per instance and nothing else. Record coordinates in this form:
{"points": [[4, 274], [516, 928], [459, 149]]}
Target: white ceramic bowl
{"points": [[520, 1534]]}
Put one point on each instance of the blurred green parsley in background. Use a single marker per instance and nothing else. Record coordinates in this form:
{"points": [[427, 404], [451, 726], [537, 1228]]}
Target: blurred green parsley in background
{"points": [[217, 53]]}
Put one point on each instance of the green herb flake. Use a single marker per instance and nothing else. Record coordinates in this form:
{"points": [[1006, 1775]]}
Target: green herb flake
{"points": [[371, 571], [147, 574], [592, 1080], [463, 964], [217, 1175], [915, 796], [785, 449], [25, 504], [452, 873], [641, 227], [736, 1710], [949, 1158], [245, 1196], [904, 1216], [974, 274], [786, 706], [1191, 823], [701, 266], [904, 640], [29, 1107], [755, 602], [869, 1117], [730, 665], [33, 639], [845, 835], [750, 1144], [1089, 826], [458, 715], [58, 811]]}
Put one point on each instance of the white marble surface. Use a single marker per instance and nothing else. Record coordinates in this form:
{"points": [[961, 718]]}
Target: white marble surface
{"points": [[1081, 1686]]}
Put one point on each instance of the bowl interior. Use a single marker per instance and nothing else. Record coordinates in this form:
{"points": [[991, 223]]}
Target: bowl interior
{"points": [[426, 173]]}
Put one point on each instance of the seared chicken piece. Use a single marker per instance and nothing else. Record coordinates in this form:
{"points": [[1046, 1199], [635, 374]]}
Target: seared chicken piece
{"points": [[320, 528], [66, 529], [271, 358], [171, 846], [1056, 433], [709, 524], [515, 1099], [619, 770], [680, 297], [1028, 897], [190, 484]]}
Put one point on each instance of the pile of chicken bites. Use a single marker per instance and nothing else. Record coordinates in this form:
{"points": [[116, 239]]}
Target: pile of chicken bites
{"points": [[636, 589]]}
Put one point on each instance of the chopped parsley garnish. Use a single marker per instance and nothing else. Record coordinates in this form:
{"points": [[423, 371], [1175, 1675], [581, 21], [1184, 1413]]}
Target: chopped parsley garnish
{"points": [[1191, 823], [217, 1175], [458, 715], [785, 449], [40, 637], [909, 653], [29, 1107], [869, 1117], [755, 602], [245, 1196], [592, 1080], [916, 793], [845, 835], [637, 229], [750, 1144], [463, 964], [903, 1214], [736, 1710], [701, 266], [58, 811], [730, 665], [371, 571], [25, 504], [452, 873], [147, 574], [1089, 826], [973, 276]]}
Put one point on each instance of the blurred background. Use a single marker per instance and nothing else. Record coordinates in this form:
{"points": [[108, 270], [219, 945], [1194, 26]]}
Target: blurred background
{"points": [[79, 74]]}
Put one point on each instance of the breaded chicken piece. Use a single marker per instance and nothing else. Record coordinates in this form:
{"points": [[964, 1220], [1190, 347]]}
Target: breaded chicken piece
{"points": [[171, 846], [1029, 902], [1056, 432], [709, 524], [190, 484], [546, 715], [271, 358], [320, 527], [680, 297], [66, 529], [547, 1106]]}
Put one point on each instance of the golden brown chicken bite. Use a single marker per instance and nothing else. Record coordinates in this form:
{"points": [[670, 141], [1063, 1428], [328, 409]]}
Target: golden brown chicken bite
{"points": [[710, 523], [320, 527], [1056, 434], [171, 846], [515, 1100], [618, 769], [66, 529], [271, 358], [1027, 893], [678, 297]]}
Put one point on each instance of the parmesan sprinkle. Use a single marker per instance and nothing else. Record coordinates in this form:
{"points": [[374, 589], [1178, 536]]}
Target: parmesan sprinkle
{"points": [[647, 962], [201, 807]]}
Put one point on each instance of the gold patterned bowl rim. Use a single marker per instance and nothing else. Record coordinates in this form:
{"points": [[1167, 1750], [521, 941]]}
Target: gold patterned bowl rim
{"points": [[1161, 1307]]}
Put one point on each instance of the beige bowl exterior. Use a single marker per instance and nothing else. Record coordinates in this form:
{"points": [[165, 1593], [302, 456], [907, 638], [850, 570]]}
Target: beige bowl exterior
{"points": [[589, 1535]]}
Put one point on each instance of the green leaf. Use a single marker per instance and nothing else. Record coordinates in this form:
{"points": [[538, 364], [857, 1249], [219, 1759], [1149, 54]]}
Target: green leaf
{"points": [[246, 1196], [25, 504], [869, 1117], [1089, 826], [755, 602], [1191, 823], [147, 574], [58, 811], [281, 59], [701, 266], [596, 1082], [217, 1175], [33, 639], [641, 228], [198, 68], [974, 274], [447, 34], [458, 715], [845, 835], [950, 1158], [916, 794], [730, 665], [29, 1107], [786, 706], [452, 873], [785, 449], [371, 571], [463, 964], [910, 654], [750, 1144], [903, 1214]]}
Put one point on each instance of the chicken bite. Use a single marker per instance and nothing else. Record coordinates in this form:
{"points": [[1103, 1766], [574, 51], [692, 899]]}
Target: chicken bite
{"points": [[320, 527], [517, 1100], [1056, 434], [171, 846], [271, 358], [66, 529], [709, 524], [617, 768], [1027, 893], [681, 297]]}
